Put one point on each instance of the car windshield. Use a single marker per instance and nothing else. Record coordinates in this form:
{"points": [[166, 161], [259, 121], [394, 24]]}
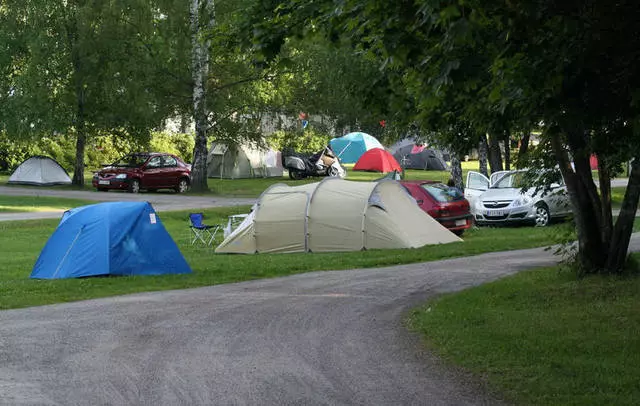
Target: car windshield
{"points": [[131, 161], [512, 180], [443, 193]]}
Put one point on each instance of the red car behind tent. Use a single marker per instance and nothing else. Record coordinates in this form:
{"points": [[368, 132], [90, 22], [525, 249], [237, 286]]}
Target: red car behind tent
{"points": [[377, 160]]}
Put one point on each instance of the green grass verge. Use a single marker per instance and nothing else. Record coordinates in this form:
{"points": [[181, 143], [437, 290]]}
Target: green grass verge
{"points": [[542, 337], [13, 204], [25, 239], [617, 195]]}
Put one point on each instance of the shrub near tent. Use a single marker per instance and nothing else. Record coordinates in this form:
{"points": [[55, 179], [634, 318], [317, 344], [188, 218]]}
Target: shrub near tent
{"points": [[335, 215], [41, 171], [115, 238]]}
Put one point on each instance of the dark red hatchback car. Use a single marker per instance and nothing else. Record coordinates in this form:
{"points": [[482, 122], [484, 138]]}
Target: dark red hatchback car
{"points": [[144, 170], [444, 203]]}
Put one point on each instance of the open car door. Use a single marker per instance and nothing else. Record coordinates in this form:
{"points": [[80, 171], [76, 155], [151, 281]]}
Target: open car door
{"points": [[476, 185], [496, 176]]}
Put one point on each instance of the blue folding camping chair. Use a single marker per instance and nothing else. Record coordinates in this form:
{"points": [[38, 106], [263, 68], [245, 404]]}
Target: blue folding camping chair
{"points": [[202, 233]]}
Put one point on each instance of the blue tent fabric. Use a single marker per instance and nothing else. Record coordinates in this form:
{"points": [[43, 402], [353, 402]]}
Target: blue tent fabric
{"points": [[115, 238], [349, 148]]}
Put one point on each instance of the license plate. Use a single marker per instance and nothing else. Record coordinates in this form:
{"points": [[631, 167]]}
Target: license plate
{"points": [[494, 213], [461, 222], [103, 182]]}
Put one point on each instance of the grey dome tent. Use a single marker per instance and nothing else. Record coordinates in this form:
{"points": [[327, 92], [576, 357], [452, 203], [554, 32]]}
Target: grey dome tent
{"points": [[41, 171], [412, 156], [242, 161]]}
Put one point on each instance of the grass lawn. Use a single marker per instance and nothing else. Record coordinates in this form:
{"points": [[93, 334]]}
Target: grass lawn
{"points": [[12, 204], [617, 195], [542, 337], [25, 239]]}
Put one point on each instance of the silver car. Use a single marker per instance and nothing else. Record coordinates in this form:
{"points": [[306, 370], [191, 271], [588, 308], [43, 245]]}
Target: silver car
{"points": [[500, 200]]}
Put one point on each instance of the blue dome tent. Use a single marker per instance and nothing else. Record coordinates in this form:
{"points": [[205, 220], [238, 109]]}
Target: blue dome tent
{"points": [[116, 238], [349, 148]]}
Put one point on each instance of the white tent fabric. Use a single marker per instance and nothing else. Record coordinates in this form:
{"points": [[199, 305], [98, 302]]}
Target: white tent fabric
{"points": [[40, 170], [244, 161], [335, 215]]}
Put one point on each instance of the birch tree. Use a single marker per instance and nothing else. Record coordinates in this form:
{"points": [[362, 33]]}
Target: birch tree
{"points": [[202, 20]]}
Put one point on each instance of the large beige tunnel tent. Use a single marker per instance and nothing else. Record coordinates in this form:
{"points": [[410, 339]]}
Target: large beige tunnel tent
{"points": [[335, 215]]}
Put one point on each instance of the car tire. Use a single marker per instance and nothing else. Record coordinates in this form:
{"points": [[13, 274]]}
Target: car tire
{"points": [[183, 186], [134, 186], [543, 217]]}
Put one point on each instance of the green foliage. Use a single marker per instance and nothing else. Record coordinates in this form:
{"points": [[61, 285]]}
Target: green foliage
{"points": [[177, 144], [100, 150], [307, 140]]}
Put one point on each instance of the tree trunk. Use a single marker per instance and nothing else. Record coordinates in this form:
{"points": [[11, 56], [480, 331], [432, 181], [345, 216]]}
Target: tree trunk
{"points": [[78, 168], [200, 71], [507, 150], [482, 154], [456, 171], [495, 157], [619, 243], [591, 250], [80, 121], [524, 145], [604, 179]]}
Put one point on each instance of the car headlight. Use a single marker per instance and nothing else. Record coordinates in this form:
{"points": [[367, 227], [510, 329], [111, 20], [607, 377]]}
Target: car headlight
{"points": [[522, 201], [121, 176]]}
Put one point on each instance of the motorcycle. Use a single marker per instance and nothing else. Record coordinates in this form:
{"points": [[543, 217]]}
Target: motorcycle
{"points": [[323, 163]]}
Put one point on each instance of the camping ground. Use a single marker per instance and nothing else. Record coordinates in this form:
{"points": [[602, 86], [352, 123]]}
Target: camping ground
{"points": [[539, 383]]}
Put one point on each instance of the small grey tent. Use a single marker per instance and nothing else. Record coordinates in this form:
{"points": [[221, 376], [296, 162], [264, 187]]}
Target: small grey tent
{"points": [[41, 171], [242, 161], [413, 156]]}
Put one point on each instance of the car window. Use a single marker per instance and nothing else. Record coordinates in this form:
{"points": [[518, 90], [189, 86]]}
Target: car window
{"points": [[155, 162], [170, 162], [131, 161], [512, 180], [443, 193]]}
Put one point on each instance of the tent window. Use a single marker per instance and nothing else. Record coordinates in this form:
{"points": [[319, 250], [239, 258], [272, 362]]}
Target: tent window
{"points": [[376, 200]]}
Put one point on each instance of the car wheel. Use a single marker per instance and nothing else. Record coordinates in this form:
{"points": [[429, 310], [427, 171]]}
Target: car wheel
{"points": [[183, 186], [542, 215], [134, 186]]}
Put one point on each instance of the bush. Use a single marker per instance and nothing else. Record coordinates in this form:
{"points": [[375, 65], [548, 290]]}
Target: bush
{"points": [[306, 141], [98, 151]]}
